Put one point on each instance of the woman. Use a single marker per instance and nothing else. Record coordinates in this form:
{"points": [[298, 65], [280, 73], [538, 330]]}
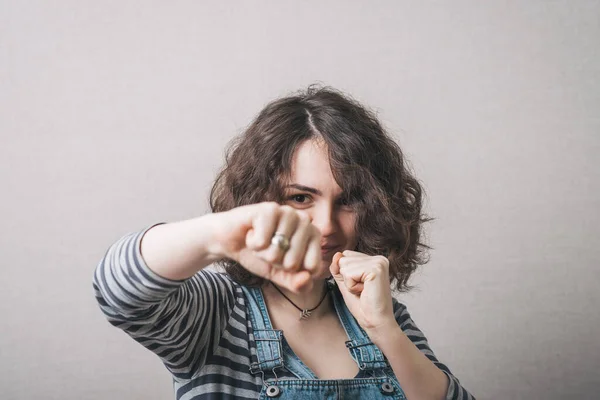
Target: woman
{"points": [[315, 216]]}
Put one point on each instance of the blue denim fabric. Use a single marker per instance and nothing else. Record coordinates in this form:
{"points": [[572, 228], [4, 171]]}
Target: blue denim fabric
{"points": [[375, 379]]}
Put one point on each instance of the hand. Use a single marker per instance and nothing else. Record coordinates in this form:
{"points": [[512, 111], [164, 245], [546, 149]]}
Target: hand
{"points": [[364, 282], [244, 234]]}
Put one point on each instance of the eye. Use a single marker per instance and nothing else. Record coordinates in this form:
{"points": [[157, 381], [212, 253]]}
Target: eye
{"points": [[299, 198]]}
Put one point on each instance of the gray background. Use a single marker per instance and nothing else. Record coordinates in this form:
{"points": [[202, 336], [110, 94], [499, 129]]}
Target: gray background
{"points": [[114, 115]]}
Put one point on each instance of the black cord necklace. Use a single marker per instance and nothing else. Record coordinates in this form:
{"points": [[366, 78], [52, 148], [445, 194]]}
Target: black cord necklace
{"points": [[304, 313]]}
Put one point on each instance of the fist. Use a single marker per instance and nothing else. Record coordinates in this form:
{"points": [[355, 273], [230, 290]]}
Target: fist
{"points": [[364, 282], [245, 234]]}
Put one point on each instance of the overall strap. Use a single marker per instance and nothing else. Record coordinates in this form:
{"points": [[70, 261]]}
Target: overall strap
{"points": [[268, 340], [366, 354]]}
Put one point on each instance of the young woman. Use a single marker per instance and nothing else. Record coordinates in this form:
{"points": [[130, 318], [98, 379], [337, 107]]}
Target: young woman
{"points": [[315, 218]]}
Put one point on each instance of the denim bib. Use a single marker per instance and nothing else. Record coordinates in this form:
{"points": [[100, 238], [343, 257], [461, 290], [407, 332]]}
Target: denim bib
{"points": [[375, 379]]}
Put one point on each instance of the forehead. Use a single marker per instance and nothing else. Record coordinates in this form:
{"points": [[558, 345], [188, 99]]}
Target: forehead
{"points": [[310, 153], [310, 166]]}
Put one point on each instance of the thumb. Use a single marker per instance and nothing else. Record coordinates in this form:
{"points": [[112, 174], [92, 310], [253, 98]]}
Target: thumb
{"points": [[334, 268], [347, 287]]}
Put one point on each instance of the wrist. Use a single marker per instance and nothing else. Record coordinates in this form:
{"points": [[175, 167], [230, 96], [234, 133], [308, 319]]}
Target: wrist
{"points": [[384, 331], [207, 228]]}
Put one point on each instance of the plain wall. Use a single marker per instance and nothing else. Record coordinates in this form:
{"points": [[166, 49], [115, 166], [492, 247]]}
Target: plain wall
{"points": [[115, 114]]}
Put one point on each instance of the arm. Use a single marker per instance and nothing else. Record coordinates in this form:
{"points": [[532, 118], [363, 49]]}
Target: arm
{"points": [[178, 250], [180, 321], [413, 362], [365, 285], [167, 301]]}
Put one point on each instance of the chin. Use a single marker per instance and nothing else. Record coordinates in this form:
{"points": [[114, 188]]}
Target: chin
{"points": [[326, 273]]}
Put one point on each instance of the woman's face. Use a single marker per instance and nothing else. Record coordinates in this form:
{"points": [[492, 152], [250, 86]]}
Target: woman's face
{"points": [[313, 190]]}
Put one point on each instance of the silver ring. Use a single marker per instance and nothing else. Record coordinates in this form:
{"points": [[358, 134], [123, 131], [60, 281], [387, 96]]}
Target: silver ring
{"points": [[281, 241]]}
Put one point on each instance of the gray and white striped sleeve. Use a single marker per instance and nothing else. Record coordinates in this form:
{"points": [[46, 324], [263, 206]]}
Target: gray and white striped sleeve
{"points": [[455, 390], [180, 321]]}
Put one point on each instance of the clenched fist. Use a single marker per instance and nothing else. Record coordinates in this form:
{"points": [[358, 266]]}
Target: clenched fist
{"points": [[245, 234]]}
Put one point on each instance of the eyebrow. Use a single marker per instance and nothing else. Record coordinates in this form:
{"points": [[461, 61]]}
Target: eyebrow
{"points": [[305, 189]]}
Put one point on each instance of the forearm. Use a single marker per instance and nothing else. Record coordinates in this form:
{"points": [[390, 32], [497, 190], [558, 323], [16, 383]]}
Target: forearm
{"points": [[419, 377], [178, 250]]}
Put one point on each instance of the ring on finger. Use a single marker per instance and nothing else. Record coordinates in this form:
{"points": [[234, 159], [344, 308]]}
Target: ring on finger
{"points": [[281, 241]]}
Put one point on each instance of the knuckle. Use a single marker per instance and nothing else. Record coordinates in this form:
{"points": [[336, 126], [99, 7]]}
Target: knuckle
{"points": [[270, 257], [286, 210], [271, 207], [310, 263], [303, 227], [303, 217], [290, 263], [382, 261], [287, 214], [260, 240], [287, 262]]}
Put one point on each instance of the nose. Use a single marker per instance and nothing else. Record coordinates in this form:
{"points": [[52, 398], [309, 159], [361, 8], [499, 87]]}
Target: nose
{"points": [[324, 219]]}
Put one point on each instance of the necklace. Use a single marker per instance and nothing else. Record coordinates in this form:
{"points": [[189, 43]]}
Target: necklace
{"points": [[304, 313]]}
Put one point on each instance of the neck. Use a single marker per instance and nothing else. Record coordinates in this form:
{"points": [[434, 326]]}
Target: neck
{"points": [[307, 300]]}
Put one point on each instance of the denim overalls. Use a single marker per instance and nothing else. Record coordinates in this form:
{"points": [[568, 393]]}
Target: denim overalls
{"points": [[375, 379]]}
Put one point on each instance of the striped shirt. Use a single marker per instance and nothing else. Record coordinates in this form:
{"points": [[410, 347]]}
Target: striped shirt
{"points": [[199, 327]]}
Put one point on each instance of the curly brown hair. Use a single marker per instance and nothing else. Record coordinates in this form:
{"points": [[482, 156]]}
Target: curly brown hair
{"points": [[366, 163]]}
